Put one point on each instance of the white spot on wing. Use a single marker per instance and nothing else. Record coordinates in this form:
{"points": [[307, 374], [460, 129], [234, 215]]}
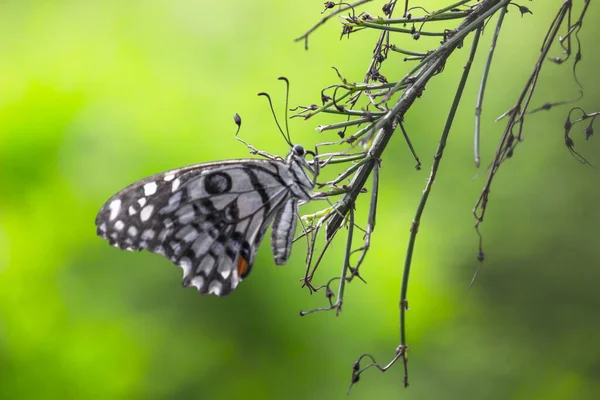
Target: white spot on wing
{"points": [[186, 264], [132, 231], [225, 273], [119, 225], [114, 207], [215, 288], [132, 210], [225, 269], [197, 282], [176, 183], [169, 177], [235, 279], [102, 227], [146, 212], [160, 250], [150, 188], [142, 202]]}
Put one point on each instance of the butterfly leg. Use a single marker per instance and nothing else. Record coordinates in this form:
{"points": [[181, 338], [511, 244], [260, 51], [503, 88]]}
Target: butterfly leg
{"points": [[254, 150]]}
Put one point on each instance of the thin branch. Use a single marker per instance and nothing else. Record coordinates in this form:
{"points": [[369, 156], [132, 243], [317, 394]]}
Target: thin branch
{"points": [[414, 229], [326, 18], [516, 119], [482, 85]]}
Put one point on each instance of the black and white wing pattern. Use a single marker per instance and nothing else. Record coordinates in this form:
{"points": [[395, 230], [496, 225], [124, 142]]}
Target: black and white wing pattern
{"points": [[210, 218]]}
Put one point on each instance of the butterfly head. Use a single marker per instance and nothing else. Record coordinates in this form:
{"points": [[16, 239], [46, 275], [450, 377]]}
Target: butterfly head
{"points": [[297, 158]]}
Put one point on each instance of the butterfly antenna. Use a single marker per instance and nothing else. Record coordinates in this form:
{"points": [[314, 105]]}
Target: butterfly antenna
{"points": [[275, 117], [287, 105]]}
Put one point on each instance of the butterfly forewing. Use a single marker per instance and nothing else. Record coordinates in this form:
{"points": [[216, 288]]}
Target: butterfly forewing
{"points": [[208, 218]]}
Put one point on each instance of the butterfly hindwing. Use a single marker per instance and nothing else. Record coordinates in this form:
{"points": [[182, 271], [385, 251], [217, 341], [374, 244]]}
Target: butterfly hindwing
{"points": [[208, 218], [282, 233]]}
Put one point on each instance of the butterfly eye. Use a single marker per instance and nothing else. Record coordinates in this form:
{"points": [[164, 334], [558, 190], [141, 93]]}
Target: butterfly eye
{"points": [[298, 150]]}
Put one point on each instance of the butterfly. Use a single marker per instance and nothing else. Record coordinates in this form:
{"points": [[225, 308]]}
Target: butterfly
{"points": [[210, 218]]}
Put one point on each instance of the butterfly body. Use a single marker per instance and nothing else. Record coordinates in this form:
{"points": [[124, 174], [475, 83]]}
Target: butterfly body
{"points": [[210, 218]]}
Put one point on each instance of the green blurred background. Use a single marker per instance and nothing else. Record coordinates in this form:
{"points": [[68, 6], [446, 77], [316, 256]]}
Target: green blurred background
{"points": [[96, 95]]}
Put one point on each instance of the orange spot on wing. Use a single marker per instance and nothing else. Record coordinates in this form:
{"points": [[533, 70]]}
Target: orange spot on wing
{"points": [[242, 266]]}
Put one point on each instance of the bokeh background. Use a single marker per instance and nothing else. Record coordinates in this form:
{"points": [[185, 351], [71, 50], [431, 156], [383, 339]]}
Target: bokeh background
{"points": [[95, 95]]}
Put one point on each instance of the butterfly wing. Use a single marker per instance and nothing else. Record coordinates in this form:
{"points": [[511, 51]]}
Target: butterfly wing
{"points": [[207, 218], [282, 233]]}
